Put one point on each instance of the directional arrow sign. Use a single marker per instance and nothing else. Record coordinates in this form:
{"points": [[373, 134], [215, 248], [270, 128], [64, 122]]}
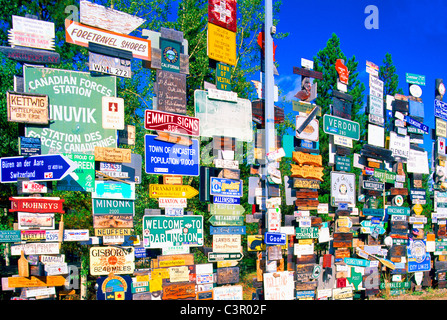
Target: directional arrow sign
{"points": [[226, 209], [368, 227], [36, 168], [220, 220], [171, 191]]}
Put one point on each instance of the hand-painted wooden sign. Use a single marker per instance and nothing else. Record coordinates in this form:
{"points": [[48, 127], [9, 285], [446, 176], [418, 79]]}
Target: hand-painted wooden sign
{"points": [[105, 260], [171, 191], [171, 91], [223, 13], [307, 172], [163, 121], [36, 281], [107, 18], [27, 108], [258, 112], [81, 35], [29, 55]]}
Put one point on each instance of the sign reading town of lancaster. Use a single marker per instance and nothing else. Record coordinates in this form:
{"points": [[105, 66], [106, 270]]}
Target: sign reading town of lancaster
{"points": [[75, 109]]}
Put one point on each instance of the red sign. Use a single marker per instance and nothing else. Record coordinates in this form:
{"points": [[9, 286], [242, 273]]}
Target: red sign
{"points": [[40, 205], [261, 43], [170, 122], [223, 13], [342, 70]]}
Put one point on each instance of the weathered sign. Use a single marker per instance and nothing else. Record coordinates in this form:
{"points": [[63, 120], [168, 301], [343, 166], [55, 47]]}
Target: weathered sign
{"points": [[171, 93], [120, 155], [27, 108], [221, 44], [169, 122], [117, 260], [109, 65], [172, 191]]}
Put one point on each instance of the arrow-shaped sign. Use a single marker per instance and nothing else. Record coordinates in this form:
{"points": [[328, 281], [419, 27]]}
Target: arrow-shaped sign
{"points": [[220, 220], [368, 227], [171, 191], [36, 168], [226, 209]]}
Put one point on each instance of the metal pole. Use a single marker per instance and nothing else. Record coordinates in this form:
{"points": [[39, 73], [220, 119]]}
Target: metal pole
{"points": [[269, 131]]}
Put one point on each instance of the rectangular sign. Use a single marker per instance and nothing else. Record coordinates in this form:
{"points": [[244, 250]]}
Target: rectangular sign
{"points": [[417, 124], [76, 101], [10, 236], [171, 191], [226, 200], [341, 127], [82, 178], [171, 91], [172, 202], [81, 35], [105, 260], [440, 109], [112, 206], [165, 231], [37, 204], [27, 108], [221, 44], [167, 158], [223, 118], [226, 187], [273, 238], [415, 79], [109, 65], [170, 122], [114, 190]]}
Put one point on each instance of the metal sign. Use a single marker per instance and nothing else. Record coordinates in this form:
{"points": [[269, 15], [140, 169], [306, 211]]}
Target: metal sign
{"points": [[114, 287], [224, 256], [171, 191], [226, 200], [341, 127], [223, 118], [82, 178], [226, 209], [221, 44], [342, 188], [35, 168], [37, 204], [113, 190], [170, 122], [415, 79], [441, 109], [228, 230], [113, 206], [112, 113], [226, 187], [165, 231], [75, 109], [109, 65], [417, 124], [223, 13], [273, 238], [167, 158], [418, 257], [29, 55]]}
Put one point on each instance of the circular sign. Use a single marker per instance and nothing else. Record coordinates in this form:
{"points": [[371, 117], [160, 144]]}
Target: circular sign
{"points": [[441, 88], [398, 200], [415, 90], [417, 250]]}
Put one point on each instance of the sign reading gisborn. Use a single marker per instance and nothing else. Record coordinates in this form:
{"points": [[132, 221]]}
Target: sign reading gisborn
{"points": [[105, 260], [75, 109]]}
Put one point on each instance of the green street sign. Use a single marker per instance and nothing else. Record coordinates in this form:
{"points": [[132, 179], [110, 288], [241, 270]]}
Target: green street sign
{"points": [[113, 206], [223, 77], [403, 211], [224, 256], [221, 220], [75, 109], [83, 178], [415, 79], [306, 233], [166, 231], [10, 236], [226, 209], [385, 176], [170, 55], [341, 127], [342, 163]]}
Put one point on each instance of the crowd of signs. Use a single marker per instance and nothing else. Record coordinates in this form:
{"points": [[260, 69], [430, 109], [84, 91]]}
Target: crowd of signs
{"points": [[73, 125]]}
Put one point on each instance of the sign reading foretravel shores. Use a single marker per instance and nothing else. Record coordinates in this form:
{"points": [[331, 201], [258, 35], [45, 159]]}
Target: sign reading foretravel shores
{"points": [[75, 103]]}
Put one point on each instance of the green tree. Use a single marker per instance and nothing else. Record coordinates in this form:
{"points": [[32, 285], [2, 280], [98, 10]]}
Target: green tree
{"points": [[387, 73]]}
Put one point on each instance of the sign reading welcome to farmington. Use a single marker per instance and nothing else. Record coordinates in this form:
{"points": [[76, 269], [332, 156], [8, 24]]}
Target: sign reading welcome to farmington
{"points": [[75, 109]]}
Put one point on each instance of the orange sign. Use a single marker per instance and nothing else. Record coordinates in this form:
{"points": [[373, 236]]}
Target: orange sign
{"points": [[342, 70]]}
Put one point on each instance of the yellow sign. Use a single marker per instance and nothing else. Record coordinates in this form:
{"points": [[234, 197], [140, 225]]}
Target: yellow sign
{"points": [[171, 191], [221, 44], [417, 208]]}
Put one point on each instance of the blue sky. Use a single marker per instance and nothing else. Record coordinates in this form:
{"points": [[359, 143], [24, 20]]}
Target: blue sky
{"points": [[413, 31]]}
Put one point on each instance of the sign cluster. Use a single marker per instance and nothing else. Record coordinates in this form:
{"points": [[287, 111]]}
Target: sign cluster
{"points": [[74, 133]]}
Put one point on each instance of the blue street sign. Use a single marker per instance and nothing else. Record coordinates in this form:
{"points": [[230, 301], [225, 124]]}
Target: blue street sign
{"points": [[225, 187], [417, 124], [441, 109], [275, 238], [36, 168], [226, 200], [169, 158], [228, 230]]}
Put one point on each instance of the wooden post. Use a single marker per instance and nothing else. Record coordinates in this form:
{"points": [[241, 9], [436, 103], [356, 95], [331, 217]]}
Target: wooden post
{"points": [[23, 266]]}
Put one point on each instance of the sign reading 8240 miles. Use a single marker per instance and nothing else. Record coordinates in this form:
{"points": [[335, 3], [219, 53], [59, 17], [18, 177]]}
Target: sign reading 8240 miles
{"points": [[75, 109], [168, 158], [167, 231]]}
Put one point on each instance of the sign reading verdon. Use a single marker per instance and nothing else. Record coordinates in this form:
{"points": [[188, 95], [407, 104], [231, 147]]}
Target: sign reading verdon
{"points": [[75, 109]]}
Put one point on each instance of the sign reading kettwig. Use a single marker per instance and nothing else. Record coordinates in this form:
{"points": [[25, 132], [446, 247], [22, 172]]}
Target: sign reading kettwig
{"points": [[75, 109], [167, 231]]}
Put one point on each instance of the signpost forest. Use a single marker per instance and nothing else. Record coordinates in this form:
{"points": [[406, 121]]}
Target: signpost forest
{"points": [[325, 210]]}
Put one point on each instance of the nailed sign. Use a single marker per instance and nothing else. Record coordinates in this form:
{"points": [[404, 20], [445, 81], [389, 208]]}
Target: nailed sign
{"points": [[221, 44], [171, 93], [105, 260], [341, 127], [37, 204], [27, 108], [223, 13], [170, 122]]}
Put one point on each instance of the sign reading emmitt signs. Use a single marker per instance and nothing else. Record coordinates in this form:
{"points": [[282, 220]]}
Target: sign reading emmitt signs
{"points": [[75, 109]]}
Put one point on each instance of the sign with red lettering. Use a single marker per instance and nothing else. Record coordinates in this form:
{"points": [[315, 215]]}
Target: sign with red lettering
{"points": [[170, 122], [39, 205]]}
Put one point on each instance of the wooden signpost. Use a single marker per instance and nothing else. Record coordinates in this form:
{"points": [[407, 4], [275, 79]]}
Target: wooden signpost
{"points": [[27, 108]]}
